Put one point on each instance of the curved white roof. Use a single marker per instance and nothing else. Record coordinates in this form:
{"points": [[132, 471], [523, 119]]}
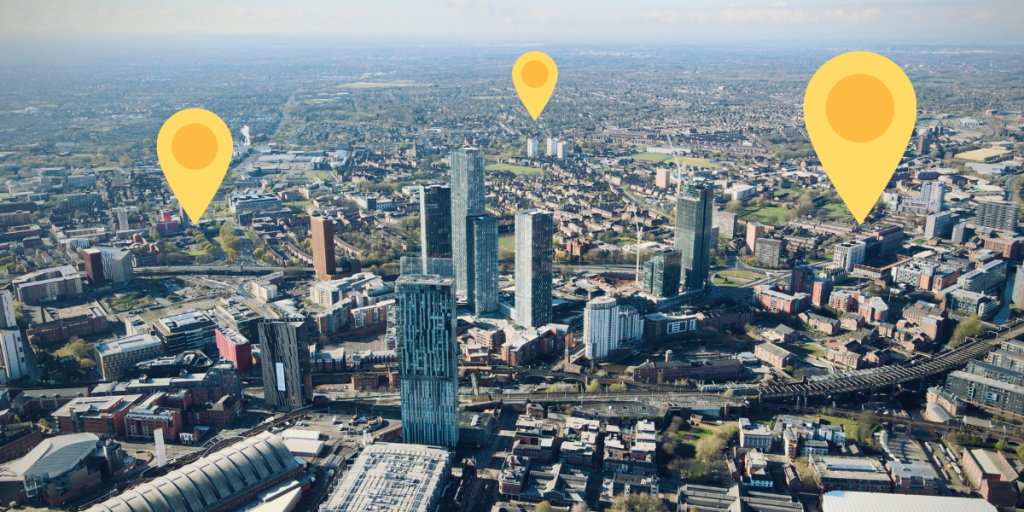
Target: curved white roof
{"points": [[208, 482], [849, 501]]}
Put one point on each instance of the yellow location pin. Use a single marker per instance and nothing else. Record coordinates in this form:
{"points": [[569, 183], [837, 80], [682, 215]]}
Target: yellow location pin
{"points": [[535, 74], [194, 148], [860, 111]]}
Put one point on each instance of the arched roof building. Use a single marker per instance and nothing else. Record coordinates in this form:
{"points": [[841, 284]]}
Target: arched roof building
{"points": [[210, 483]]}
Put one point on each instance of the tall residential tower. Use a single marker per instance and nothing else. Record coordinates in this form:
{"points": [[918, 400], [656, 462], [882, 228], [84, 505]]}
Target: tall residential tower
{"points": [[467, 193], [534, 253], [322, 229], [436, 221], [428, 353]]}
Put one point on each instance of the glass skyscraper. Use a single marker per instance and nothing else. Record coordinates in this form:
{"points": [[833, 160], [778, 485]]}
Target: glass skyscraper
{"points": [[694, 217], [428, 353], [482, 263], [534, 254], [467, 198], [661, 273], [436, 221]]}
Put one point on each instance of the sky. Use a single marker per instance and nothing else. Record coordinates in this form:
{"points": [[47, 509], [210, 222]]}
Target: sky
{"points": [[529, 21]]}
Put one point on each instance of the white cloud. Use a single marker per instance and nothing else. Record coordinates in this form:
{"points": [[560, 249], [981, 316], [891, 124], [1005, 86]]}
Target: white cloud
{"points": [[780, 3], [851, 16]]}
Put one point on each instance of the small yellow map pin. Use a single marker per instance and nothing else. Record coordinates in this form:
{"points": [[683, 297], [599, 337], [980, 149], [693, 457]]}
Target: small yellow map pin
{"points": [[860, 111], [194, 148], [535, 75]]}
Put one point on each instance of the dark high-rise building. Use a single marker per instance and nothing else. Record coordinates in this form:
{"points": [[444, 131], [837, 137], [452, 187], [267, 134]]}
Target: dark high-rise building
{"points": [[694, 211], [284, 356], [482, 263], [436, 221], [467, 192], [428, 353], [535, 233], [661, 273], [108, 266], [322, 230]]}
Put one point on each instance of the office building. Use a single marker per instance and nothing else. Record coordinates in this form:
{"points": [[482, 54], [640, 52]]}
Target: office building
{"points": [[252, 199], [285, 360], [531, 148], [661, 273], [428, 353], [848, 254], [534, 253], [192, 330], [113, 357], [601, 327], [961, 233], [48, 285], [997, 214], [755, 435], [939, 225], [100, 415], [850, 474], [482, 269], [322, 230], [694, 209], [436, 221], [552, 147], [107, 266], [467, 191], [393, 478], [149, 415], [216, 482], [984, 279]]}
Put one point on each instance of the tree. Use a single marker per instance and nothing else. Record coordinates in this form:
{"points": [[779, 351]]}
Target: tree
{"points": [[617, 388], [579, 507], [1002, 446], [637, 502], [542, 507], [1020, 452], [866, 423], [709, 447], [734, 206], [594, 386], [966, 329]]}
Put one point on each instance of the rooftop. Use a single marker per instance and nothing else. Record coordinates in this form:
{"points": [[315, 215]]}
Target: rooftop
{"points": [[392, 477], [54, 455], [849, 501], [127, 344]]}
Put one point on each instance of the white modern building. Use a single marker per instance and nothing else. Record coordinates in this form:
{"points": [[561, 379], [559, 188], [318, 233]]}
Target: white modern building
{"points": [[601, 327], [552, 147], [848, 254], [531, 148], [562, 150], [12, 346]]}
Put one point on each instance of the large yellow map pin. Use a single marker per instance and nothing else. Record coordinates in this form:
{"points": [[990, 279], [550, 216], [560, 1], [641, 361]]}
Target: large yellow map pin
{"points": [[860, 111], [535, 75], [194, 148]]}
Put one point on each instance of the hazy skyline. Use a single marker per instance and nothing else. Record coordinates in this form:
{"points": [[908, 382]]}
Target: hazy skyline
{"points": [[490, 21]]}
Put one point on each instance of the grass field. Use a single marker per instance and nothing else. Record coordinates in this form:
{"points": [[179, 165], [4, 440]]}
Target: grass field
{"points": [[683, 160], [742, 274], [375, 85], [519, 170], [849, 426], [764, 214], [718, 281], [195, 252], [507, 242], [103, 169], [324, 175], [807, 350], [838, 211]]}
